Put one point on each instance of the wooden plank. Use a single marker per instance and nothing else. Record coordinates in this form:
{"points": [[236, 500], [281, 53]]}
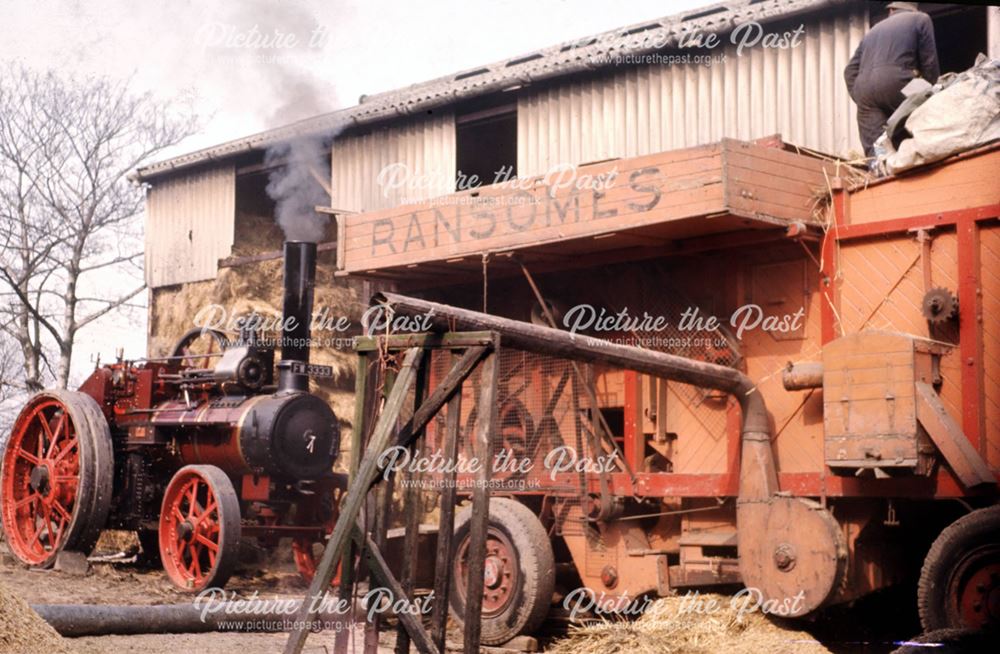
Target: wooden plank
{"points": [[438, 234], [446, 524], [479, 521], [448, 340], [450, 385], [382, 501], [363, 394], [383, 575], [671, 188], [411, 516], [962, 184], [647, 191], [351, 507], [378, 515], [970, 299], [956, 449]]}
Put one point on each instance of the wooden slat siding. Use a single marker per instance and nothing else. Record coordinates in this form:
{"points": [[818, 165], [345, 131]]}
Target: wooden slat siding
{"points": [[689, 181], [770, 181], [677, 163], [869, 300], [677, 191], [798, 440], [961, 184]]}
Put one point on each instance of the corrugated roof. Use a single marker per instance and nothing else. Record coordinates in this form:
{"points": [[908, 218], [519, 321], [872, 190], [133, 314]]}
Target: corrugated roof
{"points": [[586, 54]]}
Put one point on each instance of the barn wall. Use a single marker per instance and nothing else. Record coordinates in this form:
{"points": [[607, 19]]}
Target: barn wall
{"points": [[425, 146], [637, 110], [189, 226]]}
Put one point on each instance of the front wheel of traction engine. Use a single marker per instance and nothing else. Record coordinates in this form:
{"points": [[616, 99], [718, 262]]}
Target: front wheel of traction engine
{"points": [[199, 528], [56, 477], [960, 579], [519, 576]]}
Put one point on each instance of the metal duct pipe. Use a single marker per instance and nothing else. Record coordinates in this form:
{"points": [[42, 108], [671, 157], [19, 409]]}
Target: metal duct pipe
{"points": [[299, 284], [756, 429], [802, 376]]}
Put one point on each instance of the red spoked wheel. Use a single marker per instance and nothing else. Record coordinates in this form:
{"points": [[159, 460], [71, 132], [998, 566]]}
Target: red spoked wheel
{"points": [[199, 528], [56, 477]]}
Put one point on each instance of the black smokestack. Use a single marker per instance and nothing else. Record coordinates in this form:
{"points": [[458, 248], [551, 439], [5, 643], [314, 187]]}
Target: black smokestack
{"points": [[300, 280]]}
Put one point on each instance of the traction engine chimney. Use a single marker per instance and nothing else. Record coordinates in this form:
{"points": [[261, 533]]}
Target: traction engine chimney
{"points": [[300, 280]]}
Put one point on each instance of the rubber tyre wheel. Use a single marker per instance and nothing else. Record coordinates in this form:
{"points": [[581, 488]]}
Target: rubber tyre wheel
{"points": [[976, 529], [536, 564]]}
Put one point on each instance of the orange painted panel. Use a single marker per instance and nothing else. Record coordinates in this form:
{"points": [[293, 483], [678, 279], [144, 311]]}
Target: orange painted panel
{"points": [[989, 240], [784, 288], [961, 184]]}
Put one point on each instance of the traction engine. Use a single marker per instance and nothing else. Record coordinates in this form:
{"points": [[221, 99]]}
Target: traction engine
{"points": [[193, 451]]}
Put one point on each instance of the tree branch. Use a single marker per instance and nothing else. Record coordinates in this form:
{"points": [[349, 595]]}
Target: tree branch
{"points": [[83, 322]]}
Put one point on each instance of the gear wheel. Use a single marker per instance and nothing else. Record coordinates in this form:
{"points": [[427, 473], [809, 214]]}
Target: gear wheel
{"points": [[939, 305]]}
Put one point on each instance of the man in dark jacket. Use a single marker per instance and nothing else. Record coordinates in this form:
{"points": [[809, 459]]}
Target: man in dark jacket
{"points": [[891, 54]]}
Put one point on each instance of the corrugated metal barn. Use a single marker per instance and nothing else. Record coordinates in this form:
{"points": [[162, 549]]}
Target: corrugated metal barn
{"points": [[571, 104]]}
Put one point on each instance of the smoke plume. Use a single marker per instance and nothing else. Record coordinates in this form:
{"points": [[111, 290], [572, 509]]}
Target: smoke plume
{"points": [[297, 186]]}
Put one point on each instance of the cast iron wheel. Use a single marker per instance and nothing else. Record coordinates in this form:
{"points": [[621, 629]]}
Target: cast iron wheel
{"points": [[519, 577], [199, 528], [56, 477], [960, 580]]}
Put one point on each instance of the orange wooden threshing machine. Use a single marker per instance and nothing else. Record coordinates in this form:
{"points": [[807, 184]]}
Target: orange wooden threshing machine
{"points": [[835, 430]]}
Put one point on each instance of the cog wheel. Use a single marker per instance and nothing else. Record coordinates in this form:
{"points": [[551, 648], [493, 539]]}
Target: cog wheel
{"points": [[939, 305]]}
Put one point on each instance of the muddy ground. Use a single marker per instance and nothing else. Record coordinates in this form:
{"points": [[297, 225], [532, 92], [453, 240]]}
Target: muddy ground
{"points": [[872, 626]]}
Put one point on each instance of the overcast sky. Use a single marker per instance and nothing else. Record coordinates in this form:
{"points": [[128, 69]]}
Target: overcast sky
{"points": [[248, 65]]}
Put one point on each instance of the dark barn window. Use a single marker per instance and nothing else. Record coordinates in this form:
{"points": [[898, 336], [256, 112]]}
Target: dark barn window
{"points": [[959, 31], [486, 146]]}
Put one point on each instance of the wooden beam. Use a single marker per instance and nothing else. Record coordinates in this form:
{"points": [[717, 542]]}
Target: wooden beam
{"points": [[363, 393], [411, 515], [383, 575], [479, 521], [367, 473], [377, 516], [450, 385], [965, 461], [446, 524], [447, 340]]}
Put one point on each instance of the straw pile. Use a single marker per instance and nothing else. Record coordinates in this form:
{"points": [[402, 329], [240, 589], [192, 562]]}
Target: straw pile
{"points": [[23, 632], [667, 627]]}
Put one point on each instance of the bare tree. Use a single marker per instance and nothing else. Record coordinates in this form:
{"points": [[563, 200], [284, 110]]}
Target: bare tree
{"points": [[67, 211]]}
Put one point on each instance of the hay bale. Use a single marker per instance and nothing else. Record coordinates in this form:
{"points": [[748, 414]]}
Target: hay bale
{"points": [[22, 631], [669, 626]]}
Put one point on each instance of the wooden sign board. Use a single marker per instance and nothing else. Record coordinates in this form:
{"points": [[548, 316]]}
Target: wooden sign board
{"points": [[591, 200]]}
